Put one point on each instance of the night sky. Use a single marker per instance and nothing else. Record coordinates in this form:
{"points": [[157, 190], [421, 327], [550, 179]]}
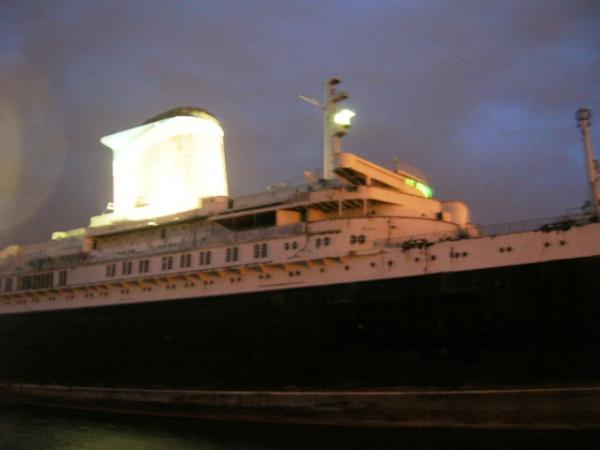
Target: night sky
{"points": [[478, 95]]}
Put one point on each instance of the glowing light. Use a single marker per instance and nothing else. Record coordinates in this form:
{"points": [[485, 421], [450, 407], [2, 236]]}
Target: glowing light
{"points": [[426, 190], [167, 166], [344, 117], [421, 187]]}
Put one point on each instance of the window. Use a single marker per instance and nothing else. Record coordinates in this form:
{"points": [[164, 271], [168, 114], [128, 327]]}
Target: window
{"points": [[62, 278], [318, 243], [361, 239], [232, 254], [38, 281], [292, 245], [185, 260], [326, 241], [144, 266], [261, 250], [8, 285], [167, 263], [111, 270], [126, 268], [204, 258]]}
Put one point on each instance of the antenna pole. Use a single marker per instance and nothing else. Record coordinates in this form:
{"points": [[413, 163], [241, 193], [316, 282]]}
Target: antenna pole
{"points": [[583, 117], [329, 147]]}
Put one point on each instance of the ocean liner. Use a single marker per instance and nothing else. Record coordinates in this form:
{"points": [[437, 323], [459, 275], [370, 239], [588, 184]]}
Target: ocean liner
{"points": [[355, 298]]}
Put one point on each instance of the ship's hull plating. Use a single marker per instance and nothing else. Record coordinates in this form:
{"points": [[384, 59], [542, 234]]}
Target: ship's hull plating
{"points": [[530, 324]]}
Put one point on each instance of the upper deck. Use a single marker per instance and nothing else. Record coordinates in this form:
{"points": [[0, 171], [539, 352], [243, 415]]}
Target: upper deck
{"points": [[363, 189]]}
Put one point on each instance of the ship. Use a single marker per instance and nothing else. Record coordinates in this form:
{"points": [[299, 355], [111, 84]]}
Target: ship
{"points": [[357, 298]]}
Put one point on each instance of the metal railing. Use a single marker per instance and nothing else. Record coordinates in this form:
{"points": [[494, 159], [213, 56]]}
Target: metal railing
{"points": [[543, 224], [556, 223]]}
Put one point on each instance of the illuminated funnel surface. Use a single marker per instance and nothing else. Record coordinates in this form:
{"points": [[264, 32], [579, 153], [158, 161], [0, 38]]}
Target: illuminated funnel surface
{"points": [[168, 164]]}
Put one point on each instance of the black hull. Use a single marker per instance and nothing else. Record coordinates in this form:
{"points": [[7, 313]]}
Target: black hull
{"points": [[523, 325]]}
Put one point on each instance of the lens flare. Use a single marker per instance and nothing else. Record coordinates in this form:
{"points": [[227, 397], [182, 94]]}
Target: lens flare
{"points": [[33, 148]]}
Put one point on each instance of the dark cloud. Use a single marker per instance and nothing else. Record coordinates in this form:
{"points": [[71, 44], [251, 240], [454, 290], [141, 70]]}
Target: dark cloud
{"points": [[479, 95]]}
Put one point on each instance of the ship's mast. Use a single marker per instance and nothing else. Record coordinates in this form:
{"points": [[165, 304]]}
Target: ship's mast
{"points": [[335, 124], [583, 117]]}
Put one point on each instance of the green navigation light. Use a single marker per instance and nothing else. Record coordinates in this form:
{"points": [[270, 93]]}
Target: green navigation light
{"points": [[422, 188]]}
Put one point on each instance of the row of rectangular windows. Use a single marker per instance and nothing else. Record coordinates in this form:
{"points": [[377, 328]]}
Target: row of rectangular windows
{"points": [[232, 254], [37, 281], [185, 260]]}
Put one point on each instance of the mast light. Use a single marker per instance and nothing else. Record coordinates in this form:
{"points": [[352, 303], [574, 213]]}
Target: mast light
{"points": [[344, 117]]}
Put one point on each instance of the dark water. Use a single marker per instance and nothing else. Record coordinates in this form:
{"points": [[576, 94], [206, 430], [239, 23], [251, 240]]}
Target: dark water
{"points": [[36, 428]]}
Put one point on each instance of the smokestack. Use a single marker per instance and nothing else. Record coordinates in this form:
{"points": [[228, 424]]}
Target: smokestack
{"points": [[168, 164]]}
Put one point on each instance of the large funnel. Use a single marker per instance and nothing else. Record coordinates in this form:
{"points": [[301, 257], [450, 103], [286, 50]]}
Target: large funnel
{"points": [[168, 164]]}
